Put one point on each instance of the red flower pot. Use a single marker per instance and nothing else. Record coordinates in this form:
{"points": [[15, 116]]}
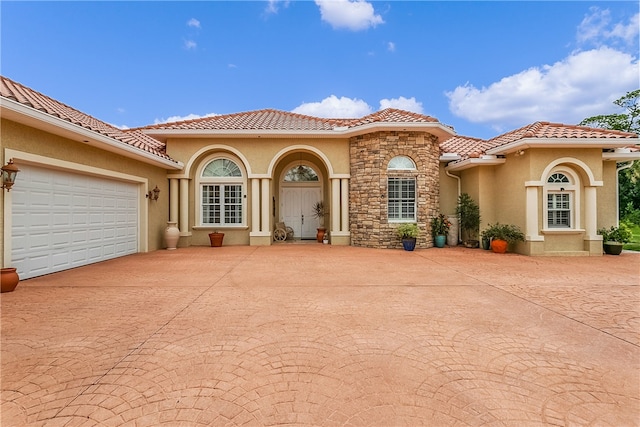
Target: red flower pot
{"points": [[499, 246]]}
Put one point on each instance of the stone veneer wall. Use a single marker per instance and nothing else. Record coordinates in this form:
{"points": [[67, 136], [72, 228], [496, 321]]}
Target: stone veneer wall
{"points": [[369, 157]]}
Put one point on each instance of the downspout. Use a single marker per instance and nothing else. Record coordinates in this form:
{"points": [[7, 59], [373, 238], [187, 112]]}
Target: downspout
{"points": [[618, 169], [459, 192]]}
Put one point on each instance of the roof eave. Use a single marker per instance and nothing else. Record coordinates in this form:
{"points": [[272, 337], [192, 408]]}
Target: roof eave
{"points": [[624, 156], [435, 128], [525, 143], [15, 111], [474, 162]]}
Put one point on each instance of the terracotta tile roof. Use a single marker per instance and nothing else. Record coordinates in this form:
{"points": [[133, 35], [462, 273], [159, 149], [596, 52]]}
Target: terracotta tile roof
{"points": [[269, 119], [546, 130], [463, 146], [36, 100]]}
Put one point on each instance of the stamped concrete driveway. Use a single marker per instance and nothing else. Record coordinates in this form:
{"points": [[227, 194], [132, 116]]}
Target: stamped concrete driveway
{"points": [[313, 335]]}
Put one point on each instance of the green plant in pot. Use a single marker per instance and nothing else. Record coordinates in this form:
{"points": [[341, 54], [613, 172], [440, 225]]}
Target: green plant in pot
{"points": [[408, 232], [319, 211], [502, 235], [614, 238], [468, 213], [440, 226]]}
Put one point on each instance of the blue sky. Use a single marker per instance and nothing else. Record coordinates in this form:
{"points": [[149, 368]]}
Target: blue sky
{"points": [[482, 67]]}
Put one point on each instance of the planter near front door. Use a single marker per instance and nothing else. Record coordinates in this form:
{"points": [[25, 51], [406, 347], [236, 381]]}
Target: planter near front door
{"points": [[499, 246], [171, 235], [612, 248], [440, 241], [9, 279]]}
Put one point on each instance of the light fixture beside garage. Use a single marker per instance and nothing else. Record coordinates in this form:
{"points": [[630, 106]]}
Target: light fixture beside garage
{"points": [[153, 194], [9, 172]]}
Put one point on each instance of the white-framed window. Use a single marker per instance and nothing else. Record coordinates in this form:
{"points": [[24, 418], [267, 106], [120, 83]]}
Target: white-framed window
{"points": [[560, 192], [558, 210], [222, 196], [401, 190]]}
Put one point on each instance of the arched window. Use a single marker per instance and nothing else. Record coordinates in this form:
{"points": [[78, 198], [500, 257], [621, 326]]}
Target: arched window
{"points": [[222, 201], [302, 173], [401, 190], [401, 163]]}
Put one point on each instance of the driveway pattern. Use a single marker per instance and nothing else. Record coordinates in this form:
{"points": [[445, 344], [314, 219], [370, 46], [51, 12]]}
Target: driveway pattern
{"points": [[316, 335]]}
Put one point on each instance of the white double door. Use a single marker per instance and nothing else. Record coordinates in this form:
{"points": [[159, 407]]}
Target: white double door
{"points": [[297, 210]]}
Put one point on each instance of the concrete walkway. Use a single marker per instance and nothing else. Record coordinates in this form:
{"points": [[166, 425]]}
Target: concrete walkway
{"points": [[316, 335]]}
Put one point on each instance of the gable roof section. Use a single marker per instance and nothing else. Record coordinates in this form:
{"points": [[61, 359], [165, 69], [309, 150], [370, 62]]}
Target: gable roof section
{"points": [[561, 132], [269, 122], [131, 142]]}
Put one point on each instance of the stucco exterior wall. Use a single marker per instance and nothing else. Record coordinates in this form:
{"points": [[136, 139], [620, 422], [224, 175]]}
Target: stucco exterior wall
{"points": [[262, 157], [370, 155], [26, 139], [448, 192], [607, 196]]}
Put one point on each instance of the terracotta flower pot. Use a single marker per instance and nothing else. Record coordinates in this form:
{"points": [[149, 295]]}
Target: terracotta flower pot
{"points": [[216, 239], [9, 279], [499, 246]]}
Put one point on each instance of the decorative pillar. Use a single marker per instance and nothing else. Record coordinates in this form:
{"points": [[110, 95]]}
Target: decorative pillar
{"points": [[184, 207], [344, 204], [335, 205], [590, 214], [532, 225], [173, 199], [265, 206], [255, 205]]}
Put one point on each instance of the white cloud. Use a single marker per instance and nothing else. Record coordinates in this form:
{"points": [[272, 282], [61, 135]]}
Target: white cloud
{"points": [[182, 118], [193, 22], [582, 85], [190, 44], [596, 29], [334, 107], [273, 6], [402, 103], [353, 15], [391, 47]]}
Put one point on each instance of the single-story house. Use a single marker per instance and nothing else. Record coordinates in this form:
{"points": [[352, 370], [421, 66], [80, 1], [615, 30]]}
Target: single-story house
{"points": [[84, 192]]}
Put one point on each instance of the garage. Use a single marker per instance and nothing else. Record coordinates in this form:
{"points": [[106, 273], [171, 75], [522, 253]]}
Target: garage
{"points": [[62, 219]]}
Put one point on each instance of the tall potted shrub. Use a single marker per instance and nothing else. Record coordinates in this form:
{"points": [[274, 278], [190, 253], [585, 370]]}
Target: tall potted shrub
{"points": [[440, 226], [468, 213]]}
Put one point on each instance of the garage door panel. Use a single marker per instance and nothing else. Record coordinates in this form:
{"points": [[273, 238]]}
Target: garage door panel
{"points": [[62, 220]]}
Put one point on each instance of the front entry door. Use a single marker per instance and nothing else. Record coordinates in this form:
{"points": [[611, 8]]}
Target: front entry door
{"points": [[297, 208]]}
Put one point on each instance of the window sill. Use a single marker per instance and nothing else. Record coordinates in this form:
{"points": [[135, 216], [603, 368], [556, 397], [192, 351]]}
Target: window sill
{"points": [[562, 231], [220, 227]]}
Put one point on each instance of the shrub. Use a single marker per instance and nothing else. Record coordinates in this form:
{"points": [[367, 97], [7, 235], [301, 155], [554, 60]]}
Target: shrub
{"points": [[510, 233], [620, 234], [407, 230]]}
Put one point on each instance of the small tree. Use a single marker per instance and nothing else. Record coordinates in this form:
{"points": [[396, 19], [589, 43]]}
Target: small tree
{"points": [[468, 213]]}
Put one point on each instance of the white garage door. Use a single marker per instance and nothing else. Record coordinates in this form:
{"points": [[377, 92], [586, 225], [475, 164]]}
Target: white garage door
{"points": [[62, 220]]}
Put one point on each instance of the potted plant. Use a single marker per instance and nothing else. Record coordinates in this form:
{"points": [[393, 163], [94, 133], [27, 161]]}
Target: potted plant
{"points": [[440, 226], [468, 213], [614, 238], [501, 235], [486, 240], [319, 212], [216, 239], [408, 233]]}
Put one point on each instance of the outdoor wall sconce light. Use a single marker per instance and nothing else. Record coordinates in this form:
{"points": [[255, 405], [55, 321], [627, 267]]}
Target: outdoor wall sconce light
{"points": [[9, 172], [153, 194]]}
